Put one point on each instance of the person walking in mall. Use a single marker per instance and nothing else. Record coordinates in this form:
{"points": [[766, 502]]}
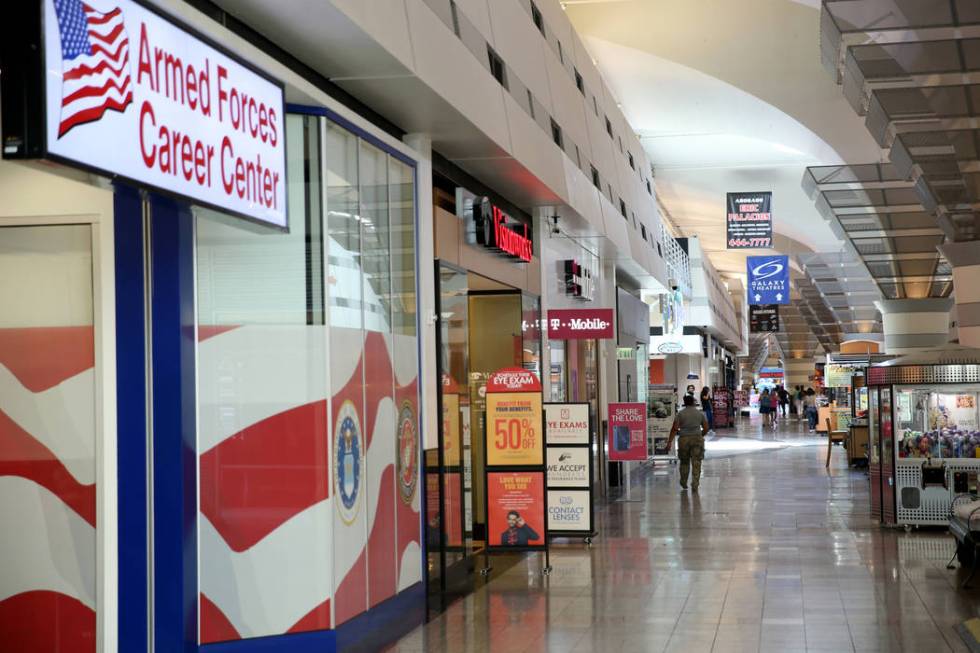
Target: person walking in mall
{"points": [[766, 408], [798, 400], [706, 407], [783, 400], [690, 426], [810, 408]]}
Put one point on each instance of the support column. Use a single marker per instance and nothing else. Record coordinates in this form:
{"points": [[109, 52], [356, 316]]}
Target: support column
{"points": [[425, 250], [915, 324], [965, 259]]}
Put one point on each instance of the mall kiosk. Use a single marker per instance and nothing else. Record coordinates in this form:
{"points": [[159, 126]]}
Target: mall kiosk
{"points": [[924, 429]]}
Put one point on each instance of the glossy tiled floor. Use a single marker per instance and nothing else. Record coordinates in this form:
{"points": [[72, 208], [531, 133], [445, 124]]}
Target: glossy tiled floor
{"points": [[775, 554]]}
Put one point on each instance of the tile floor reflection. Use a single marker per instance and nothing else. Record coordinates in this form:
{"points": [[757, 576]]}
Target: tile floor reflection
{"points": [[775, 554]]}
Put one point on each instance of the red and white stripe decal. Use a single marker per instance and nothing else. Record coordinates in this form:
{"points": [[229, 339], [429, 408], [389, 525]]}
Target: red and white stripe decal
{"points": [[269, 522], [47, 489]]}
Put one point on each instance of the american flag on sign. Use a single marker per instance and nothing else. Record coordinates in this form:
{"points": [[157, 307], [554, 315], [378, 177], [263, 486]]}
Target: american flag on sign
{"points": [[95, 63]]}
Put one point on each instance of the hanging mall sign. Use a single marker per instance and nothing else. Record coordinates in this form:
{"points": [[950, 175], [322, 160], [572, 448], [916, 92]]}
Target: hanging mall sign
{"points": [[675, 344], [498, 231], [580, 324], [130, 93], [750, 220], [764, 319], [768, 279]]}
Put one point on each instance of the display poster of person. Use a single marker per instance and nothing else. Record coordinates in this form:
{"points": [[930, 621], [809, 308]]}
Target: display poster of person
{"points": [[516, 509], [627, 431], [514, 419], [661, 408], [567, 423], [569, 511]]}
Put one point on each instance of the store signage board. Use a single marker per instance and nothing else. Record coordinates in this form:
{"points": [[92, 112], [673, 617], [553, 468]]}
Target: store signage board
{"points": [[514, 419], [768, 279], [764, 319], [516, 511], [750, 220], [661, 408], [569, 511], [498, 231], [133, 94], [580, 280], [568, 466], [515, 501], [567, 423], [741, 399], [675, 344], [627, 431], [771, 373], [721, 400], [838, 376], [569, 469], [581, 324]]}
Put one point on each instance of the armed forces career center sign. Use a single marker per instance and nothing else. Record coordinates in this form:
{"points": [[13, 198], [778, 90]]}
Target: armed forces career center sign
{"points": [[131, 93]]}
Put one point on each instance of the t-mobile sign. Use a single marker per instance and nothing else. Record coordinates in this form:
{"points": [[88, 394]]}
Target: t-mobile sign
{"points": [[581, 324], [130, 93]]}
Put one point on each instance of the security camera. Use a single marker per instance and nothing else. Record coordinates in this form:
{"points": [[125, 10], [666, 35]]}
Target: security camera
{"points": [[673, 284], [554, 225]]}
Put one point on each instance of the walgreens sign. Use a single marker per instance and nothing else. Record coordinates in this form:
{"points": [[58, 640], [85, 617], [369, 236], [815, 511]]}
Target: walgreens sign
{"points": [[130, 93], [497, 230]]}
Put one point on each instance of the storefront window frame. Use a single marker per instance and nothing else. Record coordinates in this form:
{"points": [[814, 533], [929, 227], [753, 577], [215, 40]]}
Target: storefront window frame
{"points": [[163, 240]]}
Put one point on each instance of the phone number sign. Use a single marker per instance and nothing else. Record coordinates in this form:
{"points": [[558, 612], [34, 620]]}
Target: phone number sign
{"points": [[750, 220]]}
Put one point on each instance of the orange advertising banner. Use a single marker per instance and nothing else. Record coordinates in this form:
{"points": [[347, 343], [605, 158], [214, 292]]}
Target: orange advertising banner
{"points": [[514, 434], [516, 509]]}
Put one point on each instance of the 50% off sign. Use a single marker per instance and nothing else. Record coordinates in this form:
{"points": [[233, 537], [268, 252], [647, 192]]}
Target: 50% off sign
{"points": [[514, 433]]}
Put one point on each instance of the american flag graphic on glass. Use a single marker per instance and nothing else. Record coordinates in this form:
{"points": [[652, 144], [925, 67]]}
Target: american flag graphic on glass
{"points": [[95, 63]]}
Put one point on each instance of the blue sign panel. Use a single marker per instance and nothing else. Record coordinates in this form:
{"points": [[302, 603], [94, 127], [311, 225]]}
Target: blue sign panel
{"points": [[768, 279]]}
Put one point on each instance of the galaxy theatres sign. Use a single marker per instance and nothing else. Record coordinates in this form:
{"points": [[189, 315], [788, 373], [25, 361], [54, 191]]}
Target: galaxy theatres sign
{"points": [[768, 279], [130, 93]]}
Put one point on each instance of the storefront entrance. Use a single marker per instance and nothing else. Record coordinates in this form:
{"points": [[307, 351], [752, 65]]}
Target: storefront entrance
{"points": [[484, 326]]}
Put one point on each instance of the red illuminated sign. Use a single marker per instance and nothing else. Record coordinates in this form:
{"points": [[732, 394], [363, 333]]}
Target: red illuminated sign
{"points": [[580, 324], [495, 230]]}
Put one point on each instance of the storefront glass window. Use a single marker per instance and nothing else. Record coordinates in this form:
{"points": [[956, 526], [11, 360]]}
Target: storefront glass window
{"points": [[262, 397], [48, 432], [308, 485], [558, 390]]}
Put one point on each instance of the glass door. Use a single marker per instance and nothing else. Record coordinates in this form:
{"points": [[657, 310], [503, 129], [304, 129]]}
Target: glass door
{"points": [[449, 468], [887, 459], [48, 437], [874, 452]]}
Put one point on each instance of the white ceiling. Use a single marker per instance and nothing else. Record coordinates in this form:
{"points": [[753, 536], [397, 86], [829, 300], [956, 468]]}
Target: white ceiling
{"points": [[727, 96]]}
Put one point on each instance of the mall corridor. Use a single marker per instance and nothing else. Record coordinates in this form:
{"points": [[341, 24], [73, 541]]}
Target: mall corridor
{"points": [[775, 554], [346, 326]]}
